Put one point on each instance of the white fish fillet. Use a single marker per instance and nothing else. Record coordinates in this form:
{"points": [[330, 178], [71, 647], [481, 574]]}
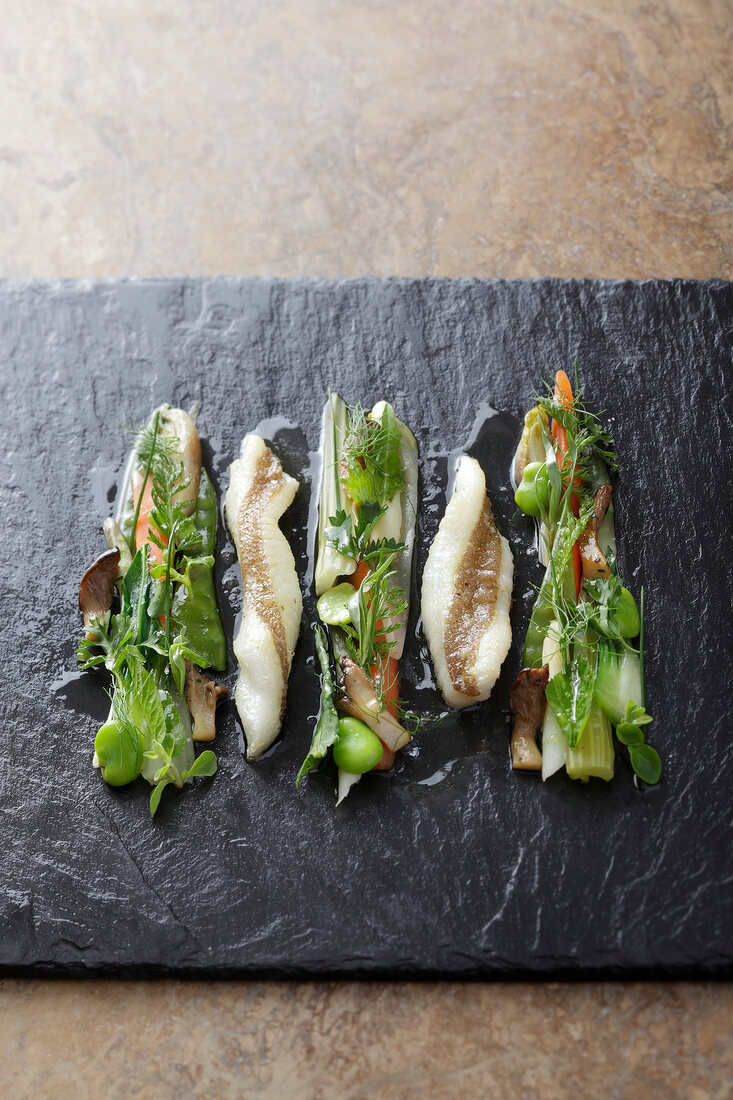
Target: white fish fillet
{"points": [[258, 494], [466, 593]]}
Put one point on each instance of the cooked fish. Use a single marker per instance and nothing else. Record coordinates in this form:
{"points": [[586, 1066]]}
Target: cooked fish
{"points": [[466, 593], [258, 494]]}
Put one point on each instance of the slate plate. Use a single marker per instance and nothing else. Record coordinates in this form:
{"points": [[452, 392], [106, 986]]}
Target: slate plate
{"points": [[453, 865]]}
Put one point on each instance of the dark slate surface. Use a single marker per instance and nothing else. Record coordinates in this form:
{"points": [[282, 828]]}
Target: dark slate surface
{"points": [[453, 865]]}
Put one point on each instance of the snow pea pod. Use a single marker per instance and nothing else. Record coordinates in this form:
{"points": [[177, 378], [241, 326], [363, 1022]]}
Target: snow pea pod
{"points": [[543, 612], [195, 609], [542, 616], [204, 516]]}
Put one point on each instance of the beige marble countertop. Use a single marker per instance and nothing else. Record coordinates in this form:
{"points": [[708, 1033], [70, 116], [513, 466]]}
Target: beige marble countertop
{"points": [[331, 137]]}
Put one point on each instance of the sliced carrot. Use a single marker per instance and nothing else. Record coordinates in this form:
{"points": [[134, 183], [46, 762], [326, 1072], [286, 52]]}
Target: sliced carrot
{"points": [[387, 760], [391, 695], [360, 574], [391, 684], [563, 390], [564, 398], [391, 690], [142, 530], [577, 569]]}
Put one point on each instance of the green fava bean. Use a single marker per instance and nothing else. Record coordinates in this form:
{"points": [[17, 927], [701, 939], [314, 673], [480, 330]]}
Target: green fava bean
{"points": [[542, 486], [533, 492], [358, 749], [119, 757], [333, 606], [526, 492], [627, 615]]}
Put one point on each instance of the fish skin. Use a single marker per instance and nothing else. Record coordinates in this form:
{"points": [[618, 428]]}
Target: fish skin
{"points": [[264, 666]]}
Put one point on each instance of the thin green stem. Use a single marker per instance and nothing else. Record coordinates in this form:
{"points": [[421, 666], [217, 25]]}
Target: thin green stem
{"points": [[168, 555], [641, 645]]}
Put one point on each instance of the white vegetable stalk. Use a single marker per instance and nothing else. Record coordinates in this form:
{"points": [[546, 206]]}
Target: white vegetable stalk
{"points": [[347, 780], [329, 563], [554, 745]]}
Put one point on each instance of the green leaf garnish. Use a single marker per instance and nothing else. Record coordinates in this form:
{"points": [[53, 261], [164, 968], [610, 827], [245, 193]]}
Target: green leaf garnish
{"points": [[646, 763], [628, 734], [372, 457], [156, 794], [570, 695], [327, 727], [205, 764]]}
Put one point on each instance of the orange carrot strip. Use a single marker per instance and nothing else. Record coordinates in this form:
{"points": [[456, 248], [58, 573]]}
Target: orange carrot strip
{"points": [[142, 531], [391, 692], [564, 398], [361, 573]]}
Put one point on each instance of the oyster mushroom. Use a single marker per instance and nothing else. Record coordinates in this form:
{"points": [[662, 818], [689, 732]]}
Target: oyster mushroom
{"points": [[361, 702], [202, 695], [527, 703], [97, 587], [592, 557]]}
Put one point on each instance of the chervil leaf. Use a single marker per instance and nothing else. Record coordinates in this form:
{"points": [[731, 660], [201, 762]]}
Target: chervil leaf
{"points": [[339, 533]]}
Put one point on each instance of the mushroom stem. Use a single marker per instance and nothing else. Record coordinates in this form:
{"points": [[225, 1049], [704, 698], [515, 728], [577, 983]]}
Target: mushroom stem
{"points": [[592, 557], [202, 695], [527, 702], [361, 702]]}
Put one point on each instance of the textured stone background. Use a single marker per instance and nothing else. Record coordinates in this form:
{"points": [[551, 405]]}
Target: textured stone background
{"points": [[466, 138], [340, 137]]}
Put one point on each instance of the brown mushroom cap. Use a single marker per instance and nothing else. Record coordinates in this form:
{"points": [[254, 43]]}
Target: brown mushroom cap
{"points": [[97, 586], [527, 703], [362, 703]]}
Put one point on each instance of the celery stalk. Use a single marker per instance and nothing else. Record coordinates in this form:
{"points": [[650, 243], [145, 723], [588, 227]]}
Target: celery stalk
{"points": [[594, 755], [618, 679], [329, 563]]}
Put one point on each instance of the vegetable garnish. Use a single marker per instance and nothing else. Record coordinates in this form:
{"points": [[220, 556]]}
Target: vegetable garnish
{"points": [[167, 622], [583, 621], [366, 533]]}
